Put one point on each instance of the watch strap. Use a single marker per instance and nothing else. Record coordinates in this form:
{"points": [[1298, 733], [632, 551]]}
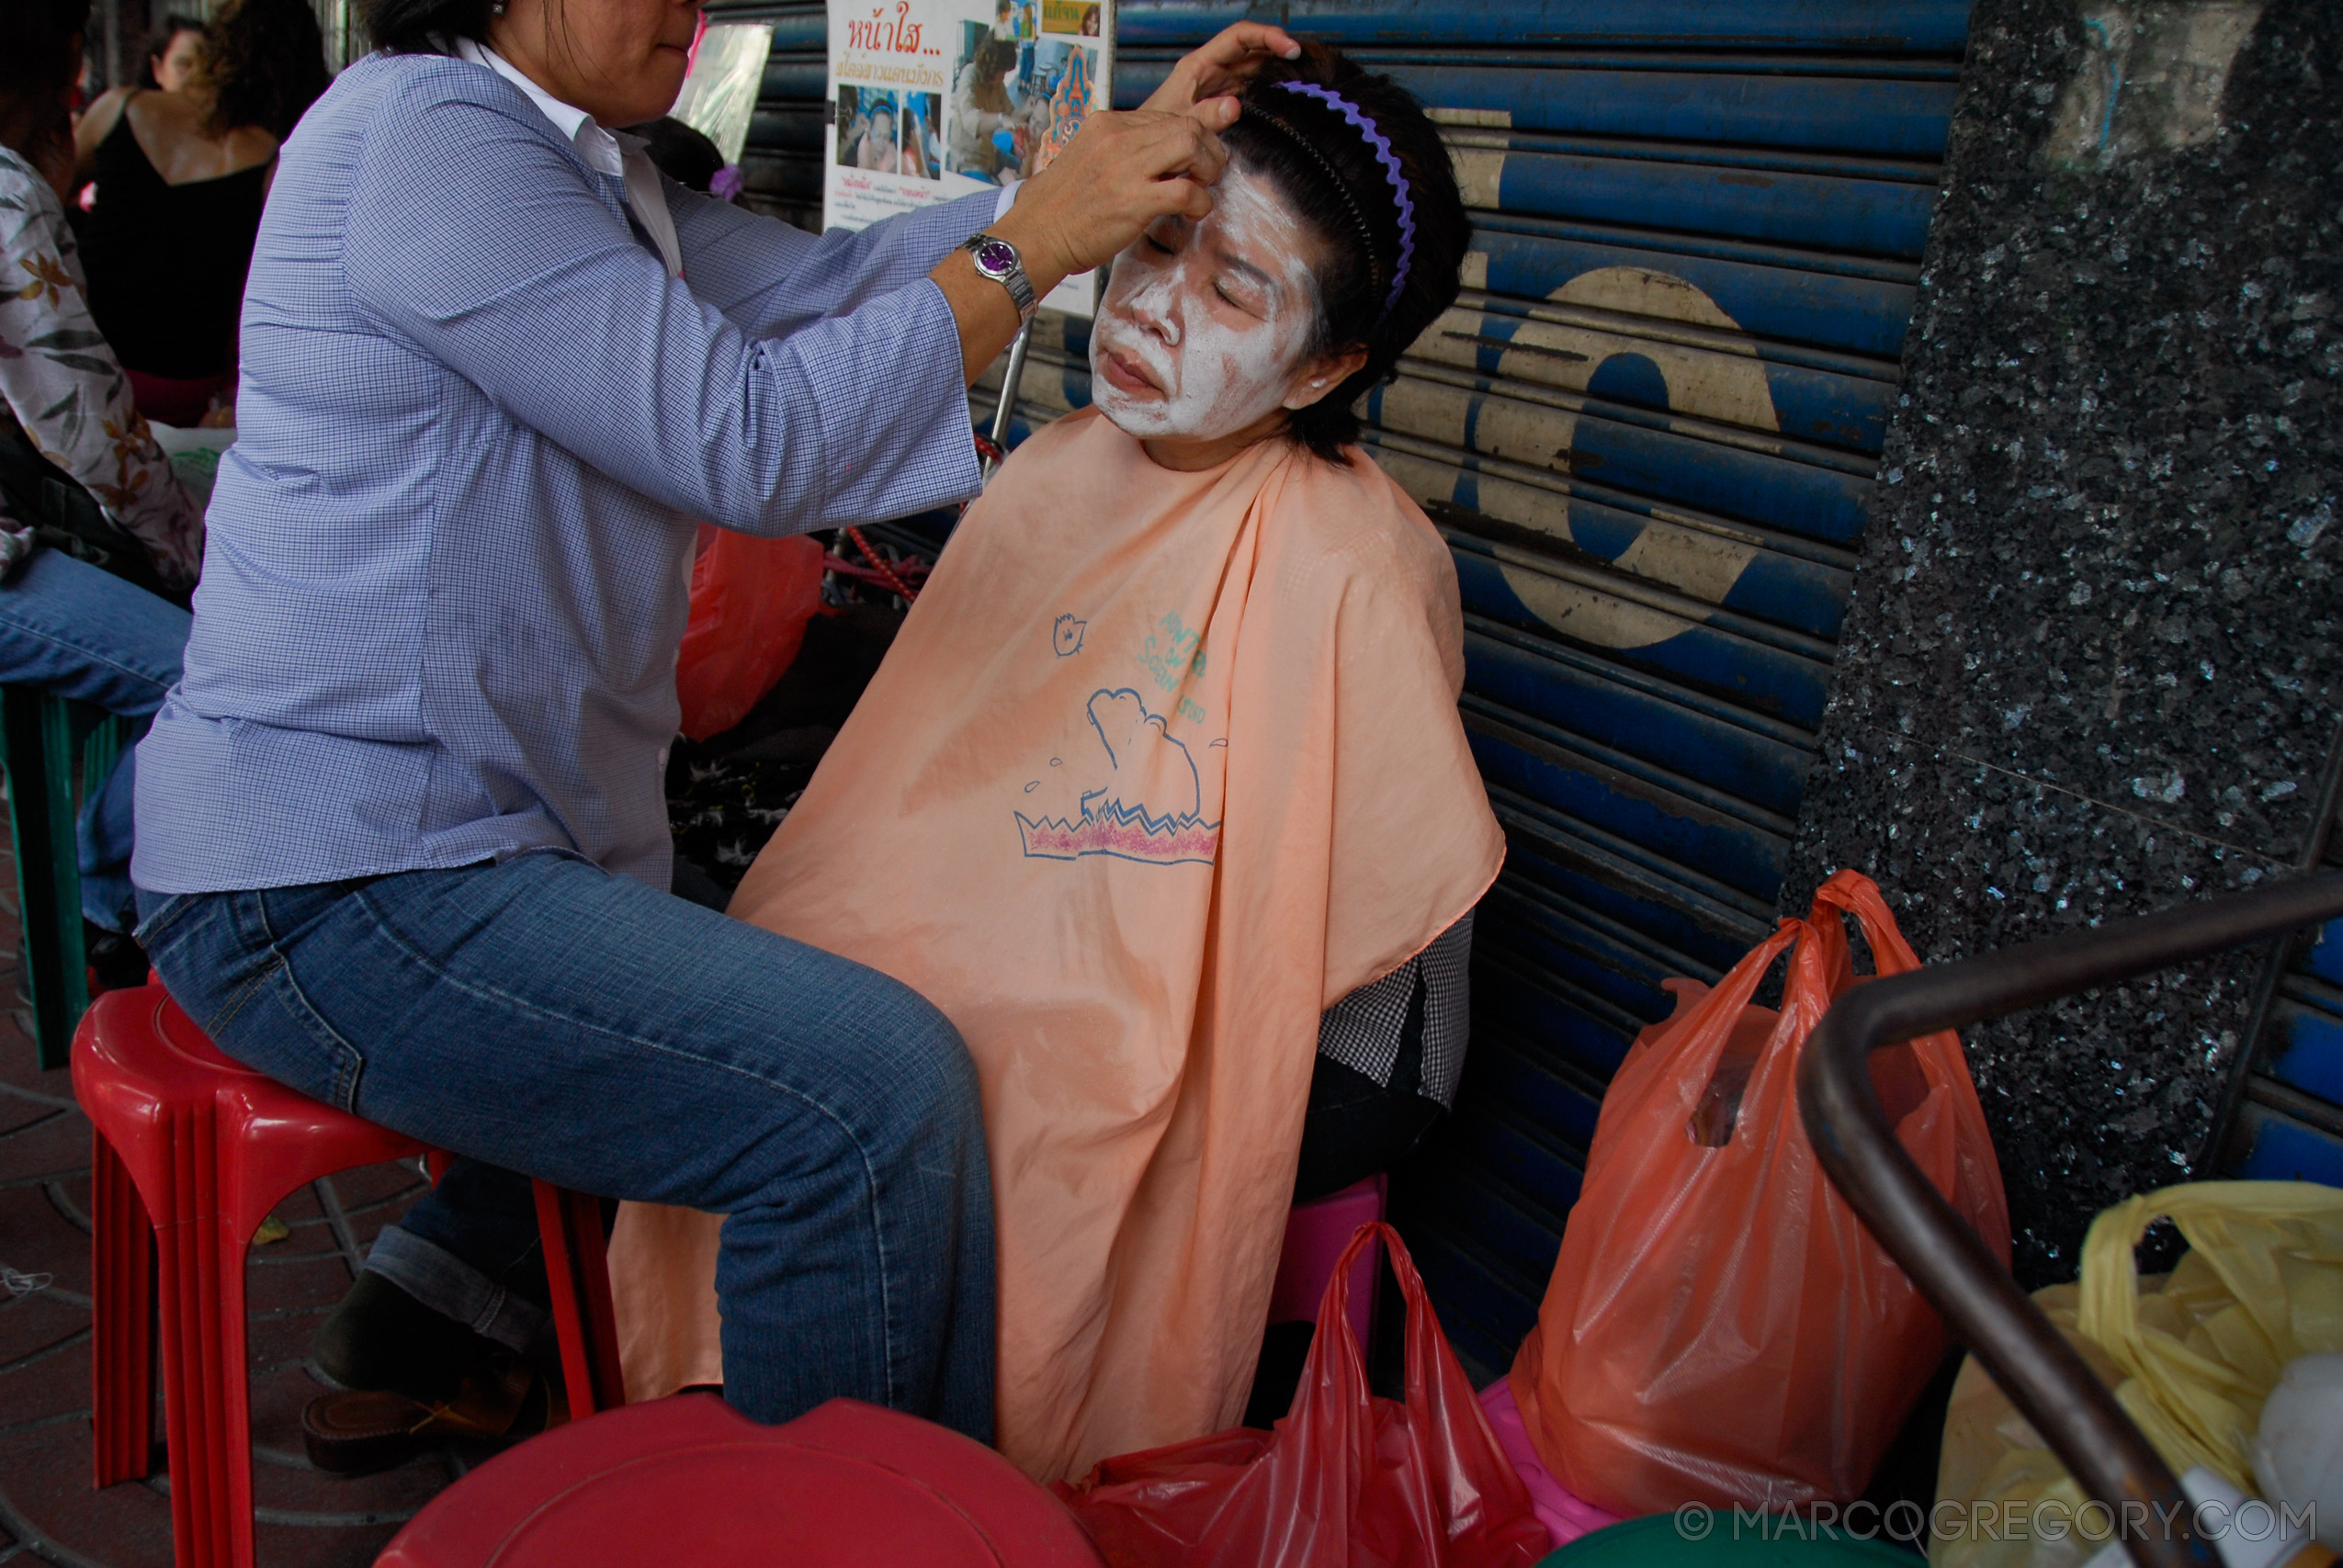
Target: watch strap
{"points": [[1011, 277]]}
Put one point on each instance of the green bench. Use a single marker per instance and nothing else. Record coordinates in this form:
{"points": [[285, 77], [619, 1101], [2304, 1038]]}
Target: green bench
{"points": [[41, 737]]}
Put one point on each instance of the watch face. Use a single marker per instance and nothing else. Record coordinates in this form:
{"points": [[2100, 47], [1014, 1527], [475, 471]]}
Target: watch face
{"points": [[996, 258]]}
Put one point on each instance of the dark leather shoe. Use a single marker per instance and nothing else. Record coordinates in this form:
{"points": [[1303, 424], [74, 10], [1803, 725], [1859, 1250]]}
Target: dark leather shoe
{"points": [[357, 1432]]}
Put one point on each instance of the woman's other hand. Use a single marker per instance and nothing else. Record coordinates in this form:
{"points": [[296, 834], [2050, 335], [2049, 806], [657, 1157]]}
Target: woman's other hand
{"points": [[1207, 80]]}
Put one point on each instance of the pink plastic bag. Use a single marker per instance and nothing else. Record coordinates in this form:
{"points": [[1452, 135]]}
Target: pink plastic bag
{"points": [[1564, 1514], [1346, 1479], [751, 601]]}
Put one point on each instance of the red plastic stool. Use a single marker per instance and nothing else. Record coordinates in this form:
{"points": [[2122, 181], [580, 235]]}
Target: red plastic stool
{"points": [[1316, 1234], [192, 1151], [690, 1480]]}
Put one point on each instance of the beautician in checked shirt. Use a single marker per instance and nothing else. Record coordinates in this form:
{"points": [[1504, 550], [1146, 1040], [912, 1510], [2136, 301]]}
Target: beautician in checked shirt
{"points": [[401, 841]]}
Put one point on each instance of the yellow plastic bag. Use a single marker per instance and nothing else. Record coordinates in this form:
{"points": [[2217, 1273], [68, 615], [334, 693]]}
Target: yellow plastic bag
{"points": [[2191, 1356], [1996, 1463], [2260, 1284]]}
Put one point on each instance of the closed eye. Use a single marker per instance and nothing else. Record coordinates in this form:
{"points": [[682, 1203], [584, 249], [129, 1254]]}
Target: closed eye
{"points": [[1231, 300]]}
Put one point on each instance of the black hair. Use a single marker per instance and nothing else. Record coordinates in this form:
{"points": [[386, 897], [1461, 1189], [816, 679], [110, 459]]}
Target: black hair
{"points": [[1324, 165], [679, 151], [36, 46], [264, 61], [159, 39], [424, 27]]}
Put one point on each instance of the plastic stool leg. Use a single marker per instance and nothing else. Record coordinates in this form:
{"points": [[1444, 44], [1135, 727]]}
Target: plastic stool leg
{"points": [[64, 724], [109, 735], [578, 1273], [37, 731], [187, 1434], [121, 1248], [206, 1420], [235, 1396]]}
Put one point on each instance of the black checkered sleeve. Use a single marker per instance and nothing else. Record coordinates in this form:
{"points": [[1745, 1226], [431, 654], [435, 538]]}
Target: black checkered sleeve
{"points": [[1363, 1031]]}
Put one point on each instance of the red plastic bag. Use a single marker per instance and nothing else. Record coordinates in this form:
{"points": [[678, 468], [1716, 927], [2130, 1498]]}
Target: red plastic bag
{"points": [[1346, 1481], [1720, 1328], [751, 601]]}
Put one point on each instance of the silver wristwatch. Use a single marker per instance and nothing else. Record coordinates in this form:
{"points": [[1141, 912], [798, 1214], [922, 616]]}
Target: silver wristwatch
{"points": [[997, 259]]}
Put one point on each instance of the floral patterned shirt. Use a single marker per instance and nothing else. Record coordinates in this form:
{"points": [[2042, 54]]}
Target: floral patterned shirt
{"points": [[67, 391]]}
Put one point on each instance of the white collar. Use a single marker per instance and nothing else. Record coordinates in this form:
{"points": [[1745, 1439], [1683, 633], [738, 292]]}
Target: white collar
{"points": [[596, 145]]}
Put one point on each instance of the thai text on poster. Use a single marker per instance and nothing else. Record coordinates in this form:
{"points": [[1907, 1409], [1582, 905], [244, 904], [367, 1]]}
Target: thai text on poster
{"points": [[932, 99]]}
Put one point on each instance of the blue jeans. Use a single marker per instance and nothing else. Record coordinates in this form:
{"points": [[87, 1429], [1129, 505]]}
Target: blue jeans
{"points": [[548, 1018], [82, 632]]}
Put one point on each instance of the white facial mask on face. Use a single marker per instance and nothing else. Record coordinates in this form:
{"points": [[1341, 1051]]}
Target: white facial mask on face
{"points": [[1218, 368]]}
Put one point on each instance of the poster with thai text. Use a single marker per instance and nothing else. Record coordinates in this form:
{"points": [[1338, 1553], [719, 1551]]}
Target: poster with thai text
{"points": [[932, 99]]}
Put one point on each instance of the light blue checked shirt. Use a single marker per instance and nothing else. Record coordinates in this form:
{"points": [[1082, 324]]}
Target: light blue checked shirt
{"points": [[448, 566]]}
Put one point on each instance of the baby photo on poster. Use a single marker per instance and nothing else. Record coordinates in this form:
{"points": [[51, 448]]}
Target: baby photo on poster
{"points": [[870, 136]]}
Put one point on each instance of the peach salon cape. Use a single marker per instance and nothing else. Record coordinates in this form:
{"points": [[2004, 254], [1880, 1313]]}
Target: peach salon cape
{"points": [[1161, 766]]}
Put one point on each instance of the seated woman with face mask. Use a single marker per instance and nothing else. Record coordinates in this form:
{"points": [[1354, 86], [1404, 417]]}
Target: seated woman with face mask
{"points": [[1162, 797]]}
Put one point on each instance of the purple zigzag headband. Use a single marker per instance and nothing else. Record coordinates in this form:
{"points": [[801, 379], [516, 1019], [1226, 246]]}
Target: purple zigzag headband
{"points": [[1390, 161]]}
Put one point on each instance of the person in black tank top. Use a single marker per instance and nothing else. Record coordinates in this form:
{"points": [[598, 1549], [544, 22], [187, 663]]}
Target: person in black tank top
{"points": [[181, 180], [166, 262]]}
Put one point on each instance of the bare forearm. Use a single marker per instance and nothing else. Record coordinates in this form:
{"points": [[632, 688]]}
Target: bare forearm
{"points": [[981, 308]]}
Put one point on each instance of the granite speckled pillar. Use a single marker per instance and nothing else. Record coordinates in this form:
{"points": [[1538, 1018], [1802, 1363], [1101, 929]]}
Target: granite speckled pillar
{"points": [[2091, 666]]}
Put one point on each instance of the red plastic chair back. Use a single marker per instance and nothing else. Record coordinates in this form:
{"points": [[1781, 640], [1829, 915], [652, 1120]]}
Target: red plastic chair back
{"points": [[690, 1480]]}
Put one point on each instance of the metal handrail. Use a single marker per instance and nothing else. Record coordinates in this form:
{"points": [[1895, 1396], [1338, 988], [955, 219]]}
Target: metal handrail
{"points": [[2042, 1374]]}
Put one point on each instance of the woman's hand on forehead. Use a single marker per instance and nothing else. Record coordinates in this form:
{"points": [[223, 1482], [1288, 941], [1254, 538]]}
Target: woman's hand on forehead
{"points": [[1120, 173], [1066, 228], [1205, 83]]}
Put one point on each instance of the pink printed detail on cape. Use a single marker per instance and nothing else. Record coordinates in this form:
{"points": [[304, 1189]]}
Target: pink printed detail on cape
{"points": [[1137, 755], [1128, 832]]}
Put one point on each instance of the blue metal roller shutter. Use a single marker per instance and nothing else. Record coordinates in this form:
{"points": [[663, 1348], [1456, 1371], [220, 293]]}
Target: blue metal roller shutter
{"points": [[1647, 429], [2289, 1122], [781, 164]]}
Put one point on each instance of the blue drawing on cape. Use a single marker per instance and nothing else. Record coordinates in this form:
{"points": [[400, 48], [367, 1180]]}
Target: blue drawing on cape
{"points": [[1166, 827], [1066, 636]]}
